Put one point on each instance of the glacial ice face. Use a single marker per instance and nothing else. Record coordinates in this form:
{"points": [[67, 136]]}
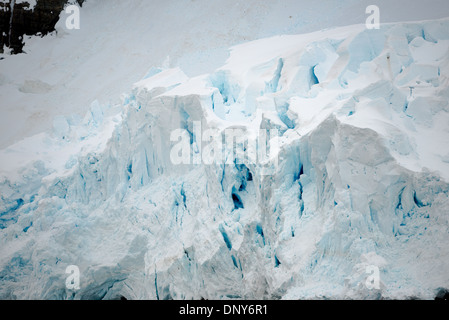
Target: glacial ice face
{"points": [[360, 179]]}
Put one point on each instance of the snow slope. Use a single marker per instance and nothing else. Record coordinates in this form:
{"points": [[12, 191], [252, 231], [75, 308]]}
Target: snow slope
{"points": [[118, 42], [358, 177]]}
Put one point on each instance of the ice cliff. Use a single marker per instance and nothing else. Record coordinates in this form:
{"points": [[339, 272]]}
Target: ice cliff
{"points": [[358, 176]]}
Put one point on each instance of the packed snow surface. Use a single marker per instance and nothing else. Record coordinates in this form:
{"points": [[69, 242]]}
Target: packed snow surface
{"points": [[358, 176], [119, 41]]}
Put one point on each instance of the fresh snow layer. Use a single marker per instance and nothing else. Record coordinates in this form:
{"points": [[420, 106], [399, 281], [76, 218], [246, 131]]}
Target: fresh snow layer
{"points": [[359, 178], [119, 41]]}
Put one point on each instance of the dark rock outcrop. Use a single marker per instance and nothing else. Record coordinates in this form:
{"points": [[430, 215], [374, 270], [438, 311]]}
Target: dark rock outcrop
{"points": [[443, 294], [28, 21]]}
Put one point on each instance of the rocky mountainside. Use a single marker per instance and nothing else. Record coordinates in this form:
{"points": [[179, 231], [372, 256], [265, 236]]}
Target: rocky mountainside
{"points": [[28, 18]]}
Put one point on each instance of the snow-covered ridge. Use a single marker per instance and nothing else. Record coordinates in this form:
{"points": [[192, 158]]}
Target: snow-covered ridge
{"points": [[362, 179]]}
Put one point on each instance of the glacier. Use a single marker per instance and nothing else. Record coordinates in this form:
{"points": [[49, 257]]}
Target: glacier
{"points": [[358, 177]]}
